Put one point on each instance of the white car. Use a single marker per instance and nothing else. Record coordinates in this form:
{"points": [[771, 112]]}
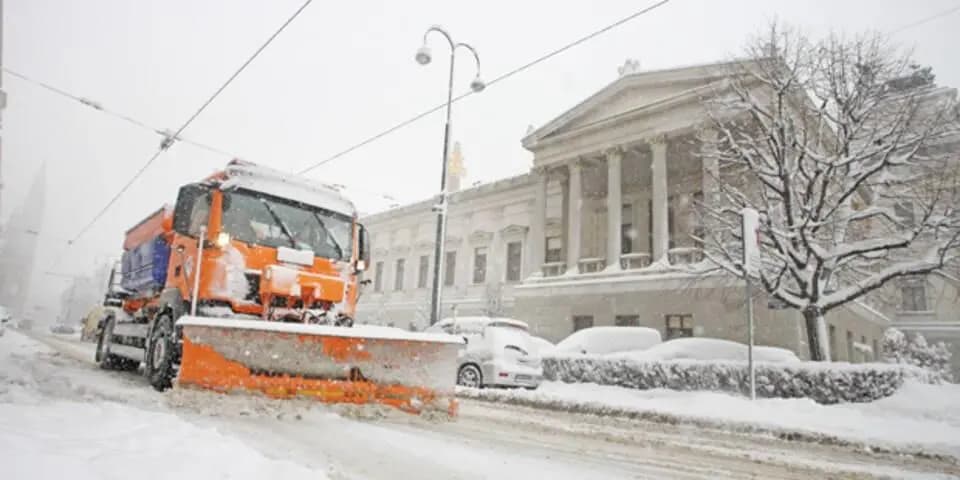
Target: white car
{"points": [[499, 352], [5, 319]]}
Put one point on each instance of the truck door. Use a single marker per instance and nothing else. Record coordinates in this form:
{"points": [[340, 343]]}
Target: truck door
{"points": [[191, 213]]}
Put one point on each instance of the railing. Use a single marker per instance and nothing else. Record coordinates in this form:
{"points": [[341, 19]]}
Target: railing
{"points": [[554, 269], [591, 265], [685, 255], [634, 260]]}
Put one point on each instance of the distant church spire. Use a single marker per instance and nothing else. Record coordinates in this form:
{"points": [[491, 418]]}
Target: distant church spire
{"points": [[455, 169]]}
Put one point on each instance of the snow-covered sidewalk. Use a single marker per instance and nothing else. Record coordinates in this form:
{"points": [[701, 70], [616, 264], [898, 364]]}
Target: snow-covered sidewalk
{"points": [[919, 418], [56, 427]]}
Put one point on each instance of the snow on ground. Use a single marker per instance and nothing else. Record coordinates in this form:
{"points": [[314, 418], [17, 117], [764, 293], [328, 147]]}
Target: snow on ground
{"points": [[50, 425], [58, 410], [917, 418]]}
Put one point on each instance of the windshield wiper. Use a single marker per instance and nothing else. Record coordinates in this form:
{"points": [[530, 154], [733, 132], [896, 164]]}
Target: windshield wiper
{"points": [[329, 235], [283, 226]]}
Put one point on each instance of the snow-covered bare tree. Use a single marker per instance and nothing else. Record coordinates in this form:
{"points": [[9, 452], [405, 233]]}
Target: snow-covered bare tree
{"points": [[897, 348], [838, 144]]}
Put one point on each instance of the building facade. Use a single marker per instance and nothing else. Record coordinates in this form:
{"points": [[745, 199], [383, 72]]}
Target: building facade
{"points": [[601, 231]]}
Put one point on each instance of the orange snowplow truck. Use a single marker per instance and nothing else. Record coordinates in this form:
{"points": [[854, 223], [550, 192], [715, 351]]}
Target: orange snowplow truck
{"points": [[250, 283]]}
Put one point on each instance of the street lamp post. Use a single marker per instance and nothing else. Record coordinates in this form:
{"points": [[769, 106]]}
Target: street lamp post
{"points": [[424, 57]]}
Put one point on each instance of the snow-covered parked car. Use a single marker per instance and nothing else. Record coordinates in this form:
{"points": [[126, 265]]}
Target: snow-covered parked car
{"points": [[500, 352], [604, 340], [5, 319], [544, 346], [61, 329], [708, 349]]}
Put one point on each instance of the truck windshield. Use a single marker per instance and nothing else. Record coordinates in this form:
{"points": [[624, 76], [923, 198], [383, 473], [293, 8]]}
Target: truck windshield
{"points": [[260, 219]]}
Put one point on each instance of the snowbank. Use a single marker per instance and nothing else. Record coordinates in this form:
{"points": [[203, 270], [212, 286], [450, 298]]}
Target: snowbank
{"points": [[822, 382], [600, 340], [57, 416], [708, 349], [918, 418], [111, 440]]}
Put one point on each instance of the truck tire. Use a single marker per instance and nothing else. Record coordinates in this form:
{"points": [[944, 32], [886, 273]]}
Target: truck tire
{"points": [[104, 358], [161, 354]]}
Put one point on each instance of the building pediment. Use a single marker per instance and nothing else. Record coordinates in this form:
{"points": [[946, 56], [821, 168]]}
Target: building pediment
{"points": [[631, 92]]}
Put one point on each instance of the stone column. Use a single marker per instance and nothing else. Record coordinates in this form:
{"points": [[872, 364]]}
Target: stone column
{"points": [[661, 225], [536, 240], [574, 231], [710, 169], [614, 207]]}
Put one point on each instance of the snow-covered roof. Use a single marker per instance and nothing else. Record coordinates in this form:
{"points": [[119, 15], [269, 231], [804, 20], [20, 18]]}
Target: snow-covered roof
{"points": [[250, 176]]}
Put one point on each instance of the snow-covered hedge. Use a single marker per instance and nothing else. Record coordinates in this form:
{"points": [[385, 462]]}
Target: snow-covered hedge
{"points": [[822, 382]]}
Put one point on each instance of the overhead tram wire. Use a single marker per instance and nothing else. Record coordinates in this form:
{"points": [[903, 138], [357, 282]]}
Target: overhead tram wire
{"points": [[169, 140], [489, 84], [924, 20], [98, 106]]}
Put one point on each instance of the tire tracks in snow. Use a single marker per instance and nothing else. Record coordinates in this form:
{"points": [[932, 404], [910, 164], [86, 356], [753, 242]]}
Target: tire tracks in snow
{"points": [[487, 440]]}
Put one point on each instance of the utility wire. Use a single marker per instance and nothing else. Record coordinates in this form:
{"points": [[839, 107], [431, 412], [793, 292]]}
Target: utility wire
{"points": [[926, 19], [87, 102], [93, 104], [489, 84], [169, 140]]}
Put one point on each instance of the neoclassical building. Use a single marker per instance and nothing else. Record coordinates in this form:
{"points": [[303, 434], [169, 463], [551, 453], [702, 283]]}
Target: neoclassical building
{"points": [[597, 233]]}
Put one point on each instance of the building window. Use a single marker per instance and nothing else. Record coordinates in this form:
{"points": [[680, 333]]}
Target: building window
{"points": [[424, 271], [398, 279], [450, 269], [626, 229], [914, 296], [833, 343], [905, 211], [582, 321], [876, 351], [554, 250], [849, 346], [627, 320], [479, 264], [514, 258], [679, 325], [378, 278]]}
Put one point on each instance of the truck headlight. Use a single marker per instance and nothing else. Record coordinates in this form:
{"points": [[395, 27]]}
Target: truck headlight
{"points": [[223, 239], [361, 265]]}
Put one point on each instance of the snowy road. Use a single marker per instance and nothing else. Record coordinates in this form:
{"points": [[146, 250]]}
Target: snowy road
{"points": [[52, 397]]}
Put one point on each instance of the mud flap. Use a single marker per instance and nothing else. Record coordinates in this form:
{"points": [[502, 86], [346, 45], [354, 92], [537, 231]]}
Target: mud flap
{"points": [[414, 372]]}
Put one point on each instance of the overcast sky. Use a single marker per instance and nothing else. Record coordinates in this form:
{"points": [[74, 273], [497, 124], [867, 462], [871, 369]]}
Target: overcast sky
{"points": [[340, 73]]}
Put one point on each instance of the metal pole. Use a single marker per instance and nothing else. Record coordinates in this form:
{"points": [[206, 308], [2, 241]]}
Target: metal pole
{"points": [[196, 275], [750, 366], [442, 207]]}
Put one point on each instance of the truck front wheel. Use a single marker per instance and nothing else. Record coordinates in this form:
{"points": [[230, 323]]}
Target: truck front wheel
{"points": [[162, 354]]}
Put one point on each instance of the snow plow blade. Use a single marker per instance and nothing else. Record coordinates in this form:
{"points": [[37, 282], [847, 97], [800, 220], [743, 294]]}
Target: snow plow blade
{"points": [[414, 372]]}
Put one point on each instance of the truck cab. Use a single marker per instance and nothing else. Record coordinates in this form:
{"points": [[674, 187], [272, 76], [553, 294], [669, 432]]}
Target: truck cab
{"points": [[277, 250]]}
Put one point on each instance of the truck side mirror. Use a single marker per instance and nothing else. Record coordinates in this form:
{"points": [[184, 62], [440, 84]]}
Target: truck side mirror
{"points": [[189, 195], [363, 249]]}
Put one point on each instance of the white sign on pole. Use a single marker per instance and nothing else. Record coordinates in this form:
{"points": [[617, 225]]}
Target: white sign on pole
{"points": [[751, 241]]}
